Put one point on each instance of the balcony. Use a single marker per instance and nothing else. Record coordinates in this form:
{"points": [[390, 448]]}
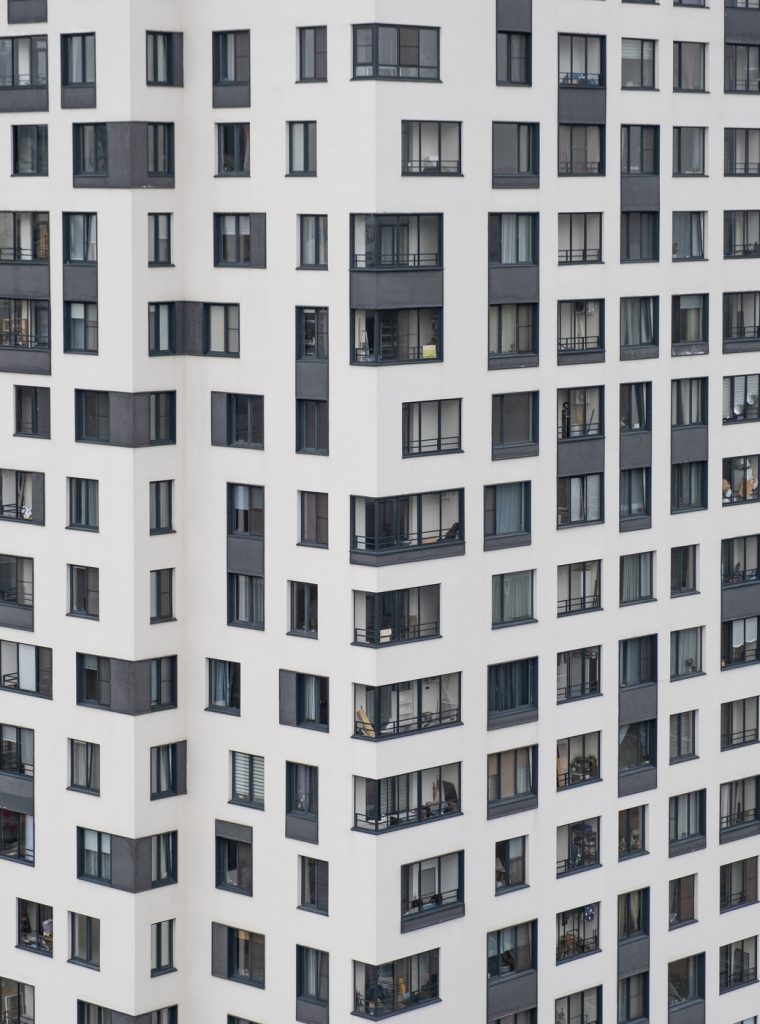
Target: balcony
{"points": [[16, 592], [578, 587], [577, 932], [24, 336], [432, 891], [396, 336], [580, 331], [396, 241], [740, 480], [396, 616], [22, 496], [415, 798], [578, 846], [578, 760], [16, 836], [23, 79], [387, 531], [400, 709]]}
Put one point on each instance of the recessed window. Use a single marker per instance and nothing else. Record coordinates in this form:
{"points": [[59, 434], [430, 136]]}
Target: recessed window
{"points": [[163, 683], [90, 150], [631, 832], [689, 236], [511, 861], [80, 327], [638, 63], [635, 407], [159, 240], [581, 60], [312, 54], [247, 775], [160, 59], [637, 577], [313, 518], [313, 976], [84, 591], [84, 766], [577, 932], [161, 495], [581, 149], [580, 499], [639, 237], [161, 595], [682, 900], [742, 68], [233, 864], [304, 609], [639, 322], [640, 148], [507, 511], [515, 153], [578, 673], [431, 147], [312, 426], [741, 151], [314, 884], [512, 598], [233, 149], [685, 652], [232, 240], [395, 51], [579, 587], [161, 947], [164, 779], [688, 151], [84, 940], [78, 59], [683, 570], [313, 241], [580, 238], [580, 326], [231, 58], [83, 504], [689, 67], [245, 600], [688, 487], [221, 329], [302, 147], [513, 53]]}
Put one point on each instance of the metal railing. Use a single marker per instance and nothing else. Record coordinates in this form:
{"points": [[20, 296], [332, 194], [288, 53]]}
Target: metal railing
{"points": [[591, 79], [580, 167], [574, 690], [737, 976], [743, 249], [739, 738], [569, 864], [385, 353], [580, 255], [567, 431], [15, 254], [583, 343], [22, 339], [433, 901], [11, 850], [580, 773], [413, 538], [407, 723], [431, 165], [736, 899], [736, 575], [375, 261], [572, 944], [740, 817], [23, 595], [425, 445], [567, 605], [741, 333], [395, 633], [409, 816], [12, 510], [743, 167], [17, 81]]}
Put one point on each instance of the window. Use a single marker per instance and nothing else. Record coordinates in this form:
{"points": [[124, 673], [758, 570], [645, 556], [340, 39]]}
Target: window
{"points": [[312, 54], [512, 777], [513, 58], [19, 998], [245, 510], [312, 332], [683, 741], [637, 661], [687, 817], [515, 153], [740, 479], [83, 504], [247, 773], [162, 417], [738, 963], [245, 421], [313, 241], [78, 59], [511, 857], [23, 61], [513, 239], [304, 609], [160, 243], [17, 836], [507, 511], [84, 591], [221, 329], [739, 803], [314, 884], [578, 846], [580, 1006], [688, 487], [232, 240], [685, 652], [162, 595], [161, 947], [396, 335], [312, 701], [577, 760], [301, 789], [741, 151], [637, 746], [580, 326], [16, 750], [163, 771], [80, 240], [94, 855], [163, 683], [689, 67], [381, 805], [93, 680], [30, 149], [578, 673], [512, 690], [90, 150], [686, 979], [688, 402], [514, 421], [637, 577], [741, 316], [638, 63], [512, 950], [16, 580], [92, 416], [312, 426], [431, 147], [738, 884], [580, 238], [640, 149], [631, 832], [635, 493], [513, 329], [420, 975], [683, 570], [84, 766], [688, 151], [579, 587], [403, 240], [639, 237], [24, 237], [244, 955], [26, 668], [382, 712], [633, 914], [580, 412], [395, 51], [313, 518], [160, 149], [84, 940], [245, 600], [581, 60], [579, 499], [431, 428], [512, 598], [682, 900], [163, 859], [234, 865], [577, 932], [224, 686], [24, 324], [313, 975], [159, 60], [738, 723], [688, 236], [161, 494], [742, 68], [233, 149], [581, 149], [741, 234], [639, 323], [231, 58], [302, 147], [161, 328]]}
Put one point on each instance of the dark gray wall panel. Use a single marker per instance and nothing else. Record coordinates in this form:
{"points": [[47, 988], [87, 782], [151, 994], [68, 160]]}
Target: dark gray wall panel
{"points": [[178, 58], [637, 703], [630, 352], [740, 602], [122, 688], [189, 328], [413, 554], [514, 15], [78, 97], [246, 555], [288, 698], [259, 240], [687, 846], [514, 451], [416, 921], [219, 418], [25, 280], [309, 1012], [231, 830], [181, 767], [637, 781], [80, 282], [512, 284], [730, 835], [574, 358], [219, 950], [121, 415], [143, 864], [396, 289], [38, 498], [236, 94], [14, 616], [512, 362], [299, 827], [640, 192], [742, 25], [523, 803], [21, 12], [585, 455], [127, 163], [510, 995], [689, 1013], [141, 419], [688, 444], [24, 99], [123, 863], [582, 106], [25, 360], [140, 688], [17, 793], [635, 449], [633, 956], [312, 378]]}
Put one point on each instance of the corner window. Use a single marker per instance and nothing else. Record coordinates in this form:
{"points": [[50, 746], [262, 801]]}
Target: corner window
{"points": [[395, 51]]}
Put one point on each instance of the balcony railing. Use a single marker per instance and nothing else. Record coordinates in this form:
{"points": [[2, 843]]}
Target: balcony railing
{"points": [[580, 770], [406, 723], [580, 167], [572, 944], [735, 332], [14, 852], [743, 167], [568, 431], [433, 901], [736, 899], [567, 605], [743, 248], [396, 260], [424, 445], [740, 817], [591, 79], [417, 538], [395, 633], [393, 352], [23, 595], [742, 655], [580, 255], [432, 165], [22, 339], [739, 738], [737, 976], [19, 81], [731, 577], [13, 510], [583, 343], [15, 254], [576, 689], [383, 1001], [577, 862], [409, 816]]}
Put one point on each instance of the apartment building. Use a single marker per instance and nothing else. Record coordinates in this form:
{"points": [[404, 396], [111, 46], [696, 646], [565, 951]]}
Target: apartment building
{"points": [[379, 560]]}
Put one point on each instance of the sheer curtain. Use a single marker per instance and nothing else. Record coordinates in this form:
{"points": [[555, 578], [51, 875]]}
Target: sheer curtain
{"points": [[517, 595], [509, 508]]}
